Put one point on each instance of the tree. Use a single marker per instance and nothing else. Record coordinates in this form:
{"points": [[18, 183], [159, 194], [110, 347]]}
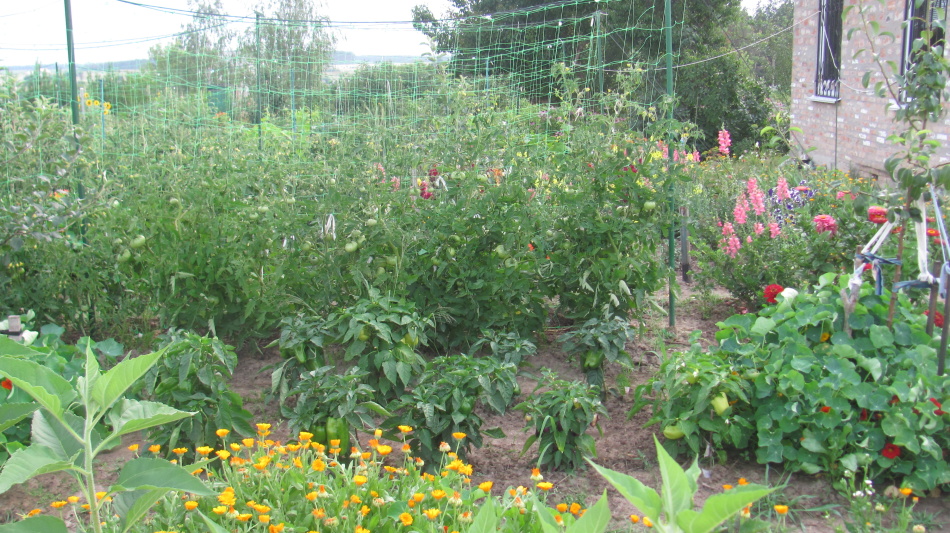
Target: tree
{"points": [[202, 55], [288, 50]]}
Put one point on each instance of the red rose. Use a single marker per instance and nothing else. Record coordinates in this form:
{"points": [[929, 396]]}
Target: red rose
{"points": [[891, 451], [771, 292]]}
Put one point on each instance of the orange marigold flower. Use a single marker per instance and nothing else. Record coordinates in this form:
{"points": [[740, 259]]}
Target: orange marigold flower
{"points": [[191, 505], [34, 512], [634, 519], [743, 481], [383, 449], [360, 480], [264, 518], [559, 519], [907, 491], [458, 435], [575, 508], [247, 442], [405, 429], [72, 499], [561, 507], [418, 497], [406, 519], [155, 448], [244, 517], [304, 436], [222, 432], [101, 494], [278, 528], [432, 514], [134, 448], [318, 465], [536, 474], [58, 504], [219, 510], [180, 451], [204, 450], [727, 487], [485, 486], [438, 494], [545, 485], [781, 509]]}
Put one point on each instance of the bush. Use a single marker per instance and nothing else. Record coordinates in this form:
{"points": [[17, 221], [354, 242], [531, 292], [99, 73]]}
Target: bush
{"points": [[806, 384]]}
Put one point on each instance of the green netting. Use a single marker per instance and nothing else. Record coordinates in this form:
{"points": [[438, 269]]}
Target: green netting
{"points": [[274, 76]]}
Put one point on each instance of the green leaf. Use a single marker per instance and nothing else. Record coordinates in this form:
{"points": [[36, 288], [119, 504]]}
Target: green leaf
{"points": [[132, 505], [718, 508], [45, 386], [12, 347], [130, 416], [11, 413], [676, 494], [46, 524], [881, 336], [113, 384], [642, 497], [213, 527], [763, 325], [53, 434], [28, 463], [595, 519], [486, 520], [151, 473]]}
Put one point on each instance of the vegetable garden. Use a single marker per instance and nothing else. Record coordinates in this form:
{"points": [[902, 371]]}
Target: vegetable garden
{"points": [[407, 258]]}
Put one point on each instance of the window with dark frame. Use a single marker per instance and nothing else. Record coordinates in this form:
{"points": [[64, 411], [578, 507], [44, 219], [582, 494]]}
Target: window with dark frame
{"points": [[827, 75], [921, 16]]}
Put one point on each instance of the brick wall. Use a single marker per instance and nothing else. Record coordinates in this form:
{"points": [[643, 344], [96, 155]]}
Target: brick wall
{"points": [[850, 134]]}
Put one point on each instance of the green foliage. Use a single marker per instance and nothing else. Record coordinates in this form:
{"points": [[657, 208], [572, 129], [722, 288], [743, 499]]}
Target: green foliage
{"points": [[559, 416], [193, 376], [68, 442], [671, 511], [322, 393], [816, 388], [506, 347], [444, 402], [598, 341]]}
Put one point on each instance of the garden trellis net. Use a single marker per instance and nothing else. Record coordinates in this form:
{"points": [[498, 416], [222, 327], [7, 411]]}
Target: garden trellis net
{"points": [[251, 79]]}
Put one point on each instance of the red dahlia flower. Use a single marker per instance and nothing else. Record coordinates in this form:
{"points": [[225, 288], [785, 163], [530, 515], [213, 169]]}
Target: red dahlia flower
{"points": [[877, 214], [938, 318], [771, 292]]}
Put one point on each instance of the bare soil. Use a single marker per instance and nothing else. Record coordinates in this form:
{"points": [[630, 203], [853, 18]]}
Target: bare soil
{"points": [[624, 445]]}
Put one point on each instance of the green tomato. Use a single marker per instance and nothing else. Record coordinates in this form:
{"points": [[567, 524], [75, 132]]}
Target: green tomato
{"points": [[175, 202], [263, 209], [370, 222], [351, 246], [391, 260], [649, 205], [124, 256], [137, 242]]}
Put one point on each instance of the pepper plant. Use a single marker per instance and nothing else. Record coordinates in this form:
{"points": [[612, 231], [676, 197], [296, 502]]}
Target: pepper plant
{"points": [[68, 434], [599, 340]]}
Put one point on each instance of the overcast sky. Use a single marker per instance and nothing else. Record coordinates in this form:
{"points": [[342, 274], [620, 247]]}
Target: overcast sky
{"points": [[109, 30]]}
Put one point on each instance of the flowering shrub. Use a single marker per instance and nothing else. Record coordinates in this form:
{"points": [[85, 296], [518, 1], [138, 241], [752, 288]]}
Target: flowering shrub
{"points": [[801, 391]]}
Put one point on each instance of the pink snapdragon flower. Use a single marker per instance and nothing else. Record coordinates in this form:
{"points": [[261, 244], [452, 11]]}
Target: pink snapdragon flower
{"points": [[733, 245], [756, 196], [742, 207], [758, 228], [781, 190], [724, 142], [727, 229], [774, 230]]}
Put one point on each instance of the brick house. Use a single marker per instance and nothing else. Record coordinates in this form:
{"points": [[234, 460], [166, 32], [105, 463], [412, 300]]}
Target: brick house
{"points": [[845, 125]]}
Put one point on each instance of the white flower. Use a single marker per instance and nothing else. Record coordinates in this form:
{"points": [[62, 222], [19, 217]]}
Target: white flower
{"points": [[789, 294]]}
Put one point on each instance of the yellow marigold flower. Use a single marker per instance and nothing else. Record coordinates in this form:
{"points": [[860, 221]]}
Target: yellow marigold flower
{"points": [[312, 495], [155, 448], [223, 454], [406, 519], [222, 432], [907, 491], [73, 499], [360, 480], [101, 494], [418, 497], [743, 481], [545, 485], [634, 519], [647, 522], [366, 455], [561, 507], [458, 435], [360, 529], [318, 513], [244, 517], [275, 528], [378, 433], [294, 447], [221, 509], [247, 442], [318, 465], [485, 486], [191, 505], [180, 451], [198, 471], [304, 436], [263, 427], [204, 450], [384, 450], [58, 504], [85, 506], [134, 448], [438, 494], [235, 447], [727, 487], [536, 474], [34, 512], [264, 518], [405, 429], [364, 510], [432, 514], [781, 509]]}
